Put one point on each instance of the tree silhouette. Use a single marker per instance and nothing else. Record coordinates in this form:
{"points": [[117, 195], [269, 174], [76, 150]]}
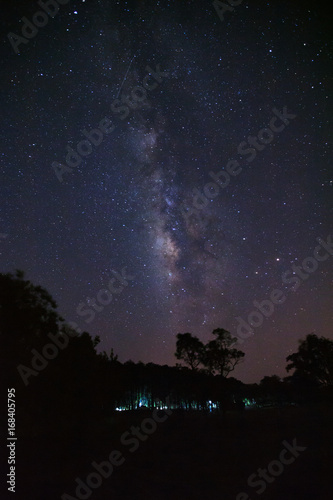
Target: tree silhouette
{"points": [[58, 392], [27, 314], [218, 357], [313, 360], [273, 389], [190, 349]]}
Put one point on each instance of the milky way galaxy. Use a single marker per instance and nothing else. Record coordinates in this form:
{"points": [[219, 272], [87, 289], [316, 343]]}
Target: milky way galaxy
{"points": [[187, 95]]}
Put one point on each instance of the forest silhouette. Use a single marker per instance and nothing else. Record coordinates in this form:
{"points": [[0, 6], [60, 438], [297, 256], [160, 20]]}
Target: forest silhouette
{"points": [[69, 394]]}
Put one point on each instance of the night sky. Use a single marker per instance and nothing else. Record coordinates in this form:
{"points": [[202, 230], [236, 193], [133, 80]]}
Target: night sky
{"points": [[133, 203]]}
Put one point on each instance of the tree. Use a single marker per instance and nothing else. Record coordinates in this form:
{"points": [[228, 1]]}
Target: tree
{"points": [[271, 382], [218, 356], [190, 349], [313, 360], [273, 389], [50, 388], [112, 357], [27, 314]]}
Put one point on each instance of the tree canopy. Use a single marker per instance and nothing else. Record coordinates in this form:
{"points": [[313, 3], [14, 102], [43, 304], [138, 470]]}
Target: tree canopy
{"points": [[219, 356], [190, 349], [216, 356], [313, 360]]}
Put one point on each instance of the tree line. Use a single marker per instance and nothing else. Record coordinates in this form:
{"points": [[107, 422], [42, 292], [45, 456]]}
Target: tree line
{"points": [[81, 384]]}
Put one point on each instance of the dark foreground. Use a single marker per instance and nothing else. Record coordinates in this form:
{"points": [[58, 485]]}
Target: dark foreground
{"points": [[190, 456]]}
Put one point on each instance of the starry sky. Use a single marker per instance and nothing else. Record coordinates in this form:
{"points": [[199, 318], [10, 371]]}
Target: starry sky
{"points": [[131, 207]]}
